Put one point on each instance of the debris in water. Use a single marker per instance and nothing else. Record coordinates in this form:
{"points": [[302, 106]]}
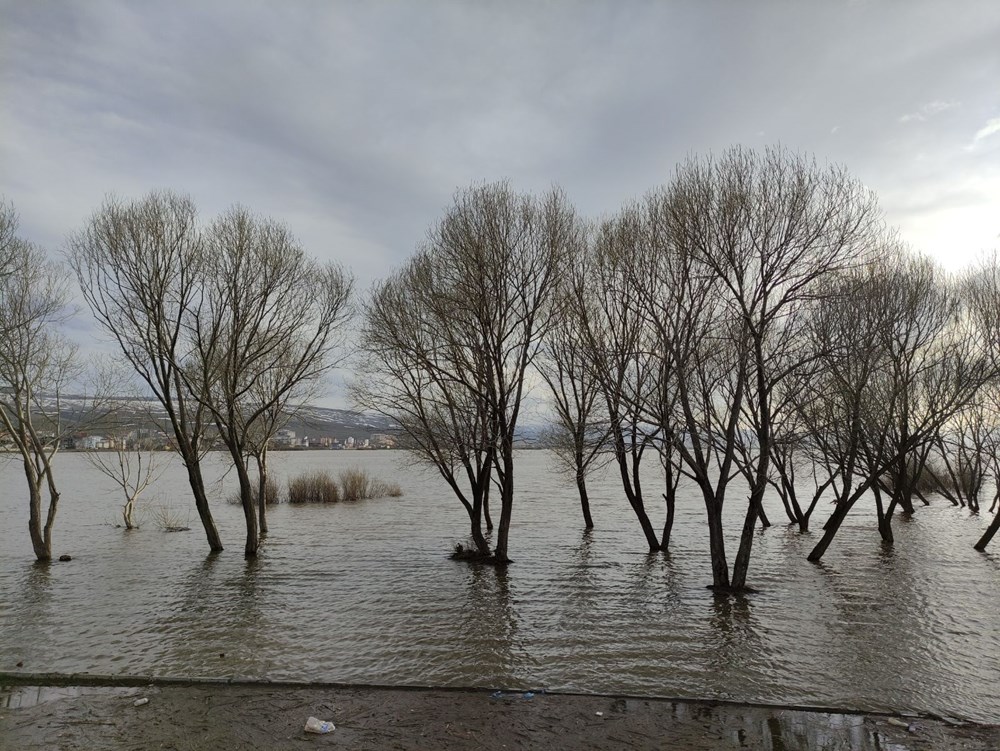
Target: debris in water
{"points": [[140, 702]]}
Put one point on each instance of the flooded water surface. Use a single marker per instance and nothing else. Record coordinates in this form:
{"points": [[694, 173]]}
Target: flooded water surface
{"points": [[365, 593]]}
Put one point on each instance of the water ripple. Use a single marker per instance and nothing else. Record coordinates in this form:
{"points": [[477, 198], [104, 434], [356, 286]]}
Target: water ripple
{"points": [[365, 593]]}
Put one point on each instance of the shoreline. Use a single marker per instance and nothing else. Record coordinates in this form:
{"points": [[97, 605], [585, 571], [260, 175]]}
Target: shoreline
{"points": [[82, 711]]}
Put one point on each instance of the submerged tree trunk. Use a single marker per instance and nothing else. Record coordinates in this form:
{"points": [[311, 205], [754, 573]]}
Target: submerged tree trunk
{"points": [[41, 539], [668, 524], [486, 508], [506, 507], [197, 483], [40, 533], [830, 529], [717, 547], [476, 521], [262, 491], [249, 512], [633, 492], [581, 486], [988, 534]]}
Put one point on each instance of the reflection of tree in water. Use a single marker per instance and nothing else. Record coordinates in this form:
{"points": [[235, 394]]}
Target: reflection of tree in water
{"points": [[582, 583], [489, 627], [653, 583], [780, 730], [735, 645], [217, 625], [891, 670], [24, 612]]}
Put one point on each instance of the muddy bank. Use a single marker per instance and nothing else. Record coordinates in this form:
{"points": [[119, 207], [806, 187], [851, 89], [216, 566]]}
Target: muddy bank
{"points": [[199, 715]]}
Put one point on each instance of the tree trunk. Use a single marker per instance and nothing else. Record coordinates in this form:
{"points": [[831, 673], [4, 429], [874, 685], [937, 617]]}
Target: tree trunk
{"points": [[635, 501], [885, 522], [742, 563], [249, 512], [127, 511], [262, 491], [581, 486], [647, 527], [41, 542], [830, 530], [486, 507], [476, 519], [201, 503], [717, 547], [506, 506], [755, 511], [668, 524], [988, 534], [50, 517]]}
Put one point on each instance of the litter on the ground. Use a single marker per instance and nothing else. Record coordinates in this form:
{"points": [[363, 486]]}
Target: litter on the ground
{"points": [[140, 702], [314, 725], [513, 695]]}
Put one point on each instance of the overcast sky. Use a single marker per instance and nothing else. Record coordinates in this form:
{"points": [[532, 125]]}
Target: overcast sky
{"points": [[354, 122]]}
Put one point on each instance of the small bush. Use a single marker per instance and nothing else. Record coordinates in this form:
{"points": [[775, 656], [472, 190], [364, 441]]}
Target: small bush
{"points": [[169, 519], [313, 487], [356, 484]]}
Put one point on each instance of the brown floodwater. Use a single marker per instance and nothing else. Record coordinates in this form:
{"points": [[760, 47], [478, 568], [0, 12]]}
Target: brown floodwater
{"points": [[365, 593]]}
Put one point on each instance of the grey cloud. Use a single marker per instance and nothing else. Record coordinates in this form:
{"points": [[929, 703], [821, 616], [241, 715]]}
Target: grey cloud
{"points": [[354, 122]]}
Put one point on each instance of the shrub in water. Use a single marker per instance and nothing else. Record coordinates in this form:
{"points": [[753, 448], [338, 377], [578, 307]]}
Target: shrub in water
{"points": [[313, 487], [356, 484]]}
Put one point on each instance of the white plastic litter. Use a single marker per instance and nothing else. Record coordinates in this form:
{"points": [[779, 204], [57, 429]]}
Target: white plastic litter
{"points": [[319, 726], [140, 702]]}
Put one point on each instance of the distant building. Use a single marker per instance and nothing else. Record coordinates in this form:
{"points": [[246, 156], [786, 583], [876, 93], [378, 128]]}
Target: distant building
{"points": [[284, 437]]}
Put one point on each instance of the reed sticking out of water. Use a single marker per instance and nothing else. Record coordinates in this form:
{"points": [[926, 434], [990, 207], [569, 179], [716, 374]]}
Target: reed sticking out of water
{"points": [[313, 487], [354, 485]]}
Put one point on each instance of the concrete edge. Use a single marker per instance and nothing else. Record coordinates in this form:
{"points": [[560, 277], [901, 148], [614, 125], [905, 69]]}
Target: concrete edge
{"points": [[126, 681]]}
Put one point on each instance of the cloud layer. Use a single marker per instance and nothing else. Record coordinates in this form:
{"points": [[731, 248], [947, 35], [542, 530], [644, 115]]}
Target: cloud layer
{"points": [[354, 122]]}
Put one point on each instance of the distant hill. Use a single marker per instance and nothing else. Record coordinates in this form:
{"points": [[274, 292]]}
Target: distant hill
{"points": [[315, 422]]}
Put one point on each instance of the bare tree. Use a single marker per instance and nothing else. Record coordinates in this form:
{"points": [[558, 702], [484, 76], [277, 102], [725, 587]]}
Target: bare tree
{"points": [[129, 462], [36, 364], [581, 429], [614, 339], [268, 319], [482, 295], [139, 265], [765, 230], [959, 463], [910, 362]]}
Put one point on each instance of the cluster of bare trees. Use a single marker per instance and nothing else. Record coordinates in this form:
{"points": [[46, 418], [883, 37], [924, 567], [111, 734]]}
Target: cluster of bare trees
{"points": [[229, 325], [750, 325], [448, 340], [752, 320]]}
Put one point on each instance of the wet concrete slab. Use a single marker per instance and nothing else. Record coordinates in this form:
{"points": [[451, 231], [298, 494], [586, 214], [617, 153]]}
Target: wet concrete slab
{"points": [[211, 715]]}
